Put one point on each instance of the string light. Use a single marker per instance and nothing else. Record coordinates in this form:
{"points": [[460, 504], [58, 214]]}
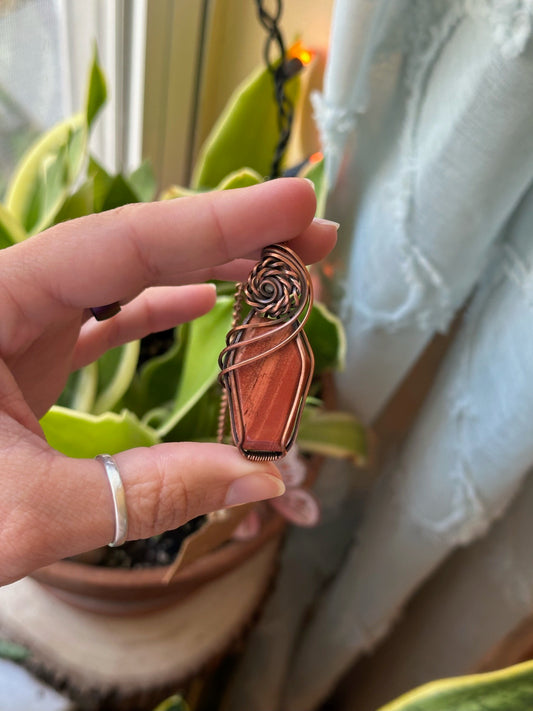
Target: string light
{"points": [[301, 52], [283, 69], [315, 157]]}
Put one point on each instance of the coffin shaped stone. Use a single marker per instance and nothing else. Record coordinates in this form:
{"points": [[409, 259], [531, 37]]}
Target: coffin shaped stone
{"points": [[266, 397]]}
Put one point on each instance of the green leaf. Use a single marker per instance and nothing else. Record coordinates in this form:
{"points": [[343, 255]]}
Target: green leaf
{"points": [[46, 173], [80, 391], [11, 231], [207, 337], [200, 423], [333, 434], [174, 703], [79, 434], [225, 288], [154, 388], [112, 191], [143, 182], [101, 183], [119, 193], [246, 134], [15, 652], [316, 172], [177, 191], [116, 369], [78, 204], [504, 690], [240, 179], [76, 153], [96, 90], [156, 418], [48, 189], [327, 339]]}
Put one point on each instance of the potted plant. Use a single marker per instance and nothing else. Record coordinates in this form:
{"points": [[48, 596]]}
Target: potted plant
{"points": [[164, 388], [509, 689]]}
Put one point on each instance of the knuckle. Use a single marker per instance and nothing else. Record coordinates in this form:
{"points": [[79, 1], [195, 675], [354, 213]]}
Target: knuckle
{"points": [[151, 273], [161, 500], [222, 244]]}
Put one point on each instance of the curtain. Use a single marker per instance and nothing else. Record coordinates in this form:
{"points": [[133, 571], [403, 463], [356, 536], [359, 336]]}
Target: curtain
{"points": [[426, 122]]}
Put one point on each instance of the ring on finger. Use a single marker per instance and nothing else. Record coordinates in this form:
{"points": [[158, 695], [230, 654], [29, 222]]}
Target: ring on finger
{"points": [[119, 499]]}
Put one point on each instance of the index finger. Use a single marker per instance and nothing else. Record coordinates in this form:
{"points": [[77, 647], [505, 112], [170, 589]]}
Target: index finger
{"points": [[112, 256]]}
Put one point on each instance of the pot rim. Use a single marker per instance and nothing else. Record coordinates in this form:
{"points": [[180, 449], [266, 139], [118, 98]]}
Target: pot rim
{"points": [[72, 575]]}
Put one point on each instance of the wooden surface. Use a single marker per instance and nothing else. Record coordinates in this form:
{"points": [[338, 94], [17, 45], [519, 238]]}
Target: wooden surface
{"points": [[126, 656]]}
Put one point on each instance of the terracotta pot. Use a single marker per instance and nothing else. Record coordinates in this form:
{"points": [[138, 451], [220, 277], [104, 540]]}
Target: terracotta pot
{"points": [[124, 592], [78, 619]]}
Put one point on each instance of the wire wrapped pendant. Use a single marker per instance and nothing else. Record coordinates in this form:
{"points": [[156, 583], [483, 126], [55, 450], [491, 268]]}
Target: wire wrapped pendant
{"points": [[267, 365]]}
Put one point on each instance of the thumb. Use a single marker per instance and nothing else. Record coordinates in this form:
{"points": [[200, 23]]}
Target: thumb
{"points": [[170, 484], [68, 506]]}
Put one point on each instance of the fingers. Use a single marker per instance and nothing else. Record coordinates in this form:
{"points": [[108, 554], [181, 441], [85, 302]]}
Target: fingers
{"points": [[316, 241], [154, 310], [170, 484], [66, 506], [313, 244], [112, 256]]}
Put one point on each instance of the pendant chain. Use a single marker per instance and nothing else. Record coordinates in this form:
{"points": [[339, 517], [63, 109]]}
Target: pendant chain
{"points": [[236, 317]]}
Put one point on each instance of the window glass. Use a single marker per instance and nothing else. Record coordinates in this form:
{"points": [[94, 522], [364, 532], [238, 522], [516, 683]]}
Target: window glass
{"points": [[31, 81]]}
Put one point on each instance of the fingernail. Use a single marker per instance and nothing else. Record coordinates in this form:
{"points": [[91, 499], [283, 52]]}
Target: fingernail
{"points": [[102, 313], [253, 487], [323, 221], [310, 182]]}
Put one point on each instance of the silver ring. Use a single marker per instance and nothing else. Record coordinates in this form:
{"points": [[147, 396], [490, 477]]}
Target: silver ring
{"points": [[119, 499]]}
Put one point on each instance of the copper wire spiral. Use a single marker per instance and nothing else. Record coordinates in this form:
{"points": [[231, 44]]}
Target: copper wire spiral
{"points": [[274, 287], [278, 288]]}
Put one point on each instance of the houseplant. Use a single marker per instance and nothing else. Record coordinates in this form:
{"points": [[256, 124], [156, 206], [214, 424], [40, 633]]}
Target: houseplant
{"points": [[145, 392], [509, 689]]}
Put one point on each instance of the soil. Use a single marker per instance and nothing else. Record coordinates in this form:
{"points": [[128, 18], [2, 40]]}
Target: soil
{"points": [[155, 344], [144, 553], [149, 552]]}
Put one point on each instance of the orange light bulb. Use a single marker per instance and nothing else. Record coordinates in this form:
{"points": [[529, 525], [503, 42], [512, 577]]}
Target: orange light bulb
{"points": [[302, 53], [316, 157]]}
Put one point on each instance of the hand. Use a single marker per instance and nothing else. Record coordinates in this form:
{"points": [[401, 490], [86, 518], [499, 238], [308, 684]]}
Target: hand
{"points": [[151, 258]]}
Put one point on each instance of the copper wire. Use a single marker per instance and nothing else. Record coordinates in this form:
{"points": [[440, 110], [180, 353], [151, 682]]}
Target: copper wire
{"points": [[236, 315], [279, 289]]}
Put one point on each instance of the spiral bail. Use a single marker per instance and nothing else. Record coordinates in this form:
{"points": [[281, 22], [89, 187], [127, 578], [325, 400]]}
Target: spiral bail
{"points": [[279, 289], [275, 286], [267, 364]]}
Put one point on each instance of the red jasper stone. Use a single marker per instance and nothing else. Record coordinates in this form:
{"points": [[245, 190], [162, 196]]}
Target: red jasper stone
{"points": [[266, 397]]}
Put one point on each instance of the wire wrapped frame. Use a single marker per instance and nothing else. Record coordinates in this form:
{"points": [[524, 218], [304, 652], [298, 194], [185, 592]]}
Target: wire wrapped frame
{"points": [[267, 365]]}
